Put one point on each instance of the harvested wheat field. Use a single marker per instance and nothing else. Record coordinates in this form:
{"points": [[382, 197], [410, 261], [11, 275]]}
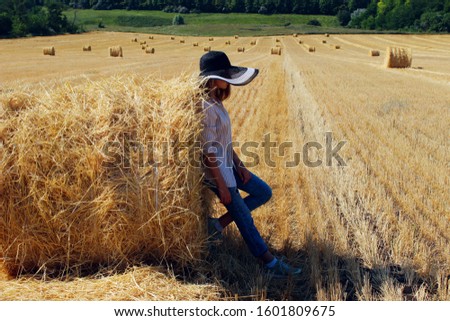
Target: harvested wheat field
{"points": [[371, 224]]}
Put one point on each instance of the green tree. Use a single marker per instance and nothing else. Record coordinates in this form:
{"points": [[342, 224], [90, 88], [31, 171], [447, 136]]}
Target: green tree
{"points": [[5, 24]]}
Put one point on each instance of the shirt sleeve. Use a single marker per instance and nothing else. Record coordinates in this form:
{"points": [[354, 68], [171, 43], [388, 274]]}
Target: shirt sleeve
{"points": [[209, 133]]}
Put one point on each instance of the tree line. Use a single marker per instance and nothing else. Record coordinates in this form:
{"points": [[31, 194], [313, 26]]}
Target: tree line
{"points": [[43, 17], [33, 17]]}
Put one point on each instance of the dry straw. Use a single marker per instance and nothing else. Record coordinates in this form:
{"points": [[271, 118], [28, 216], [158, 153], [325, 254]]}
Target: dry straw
{"points": [[241, 49], [77, 193], [87, 48], [398, 57], [150, 50], [374, 53], [275, 51], [49, 51], [115, 51]]}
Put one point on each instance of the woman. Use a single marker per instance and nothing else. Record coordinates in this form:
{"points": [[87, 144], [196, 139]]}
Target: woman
{"points": [[224, 171]]}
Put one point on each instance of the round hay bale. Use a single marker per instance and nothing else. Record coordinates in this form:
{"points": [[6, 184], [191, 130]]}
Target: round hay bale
{"points": [[150, 50], [195, 44], [228, 42], [134, 40], [295, 35], [337, 47], [241, 49], [87, 48], [150, 37], [300, 42], [398, 57], [253, 43], [211, 39], [236, 37], [115, 51], [144, 47], [311, 48], [324, 41], [143, 43], [172, 38], [206, 48], [49, 51], [182, 41], [327, 35], [275, 51], [374, 53], [77, 194], [277, 40]]}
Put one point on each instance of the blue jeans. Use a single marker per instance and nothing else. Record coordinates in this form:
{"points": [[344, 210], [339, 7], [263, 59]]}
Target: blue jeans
{"points": [[240, 210]]}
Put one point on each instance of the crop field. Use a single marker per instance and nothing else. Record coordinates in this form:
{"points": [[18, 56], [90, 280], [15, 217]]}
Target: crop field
{"points": [[372, 223]]}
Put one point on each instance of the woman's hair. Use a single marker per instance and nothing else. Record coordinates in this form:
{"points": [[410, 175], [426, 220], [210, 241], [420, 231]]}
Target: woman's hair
{"points": [[212, 91]]}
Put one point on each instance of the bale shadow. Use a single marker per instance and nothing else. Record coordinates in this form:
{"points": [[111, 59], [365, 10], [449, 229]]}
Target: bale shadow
{"points": [[231, 266]]}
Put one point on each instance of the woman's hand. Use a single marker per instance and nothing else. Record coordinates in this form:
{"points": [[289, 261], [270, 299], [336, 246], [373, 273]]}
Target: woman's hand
{"points": [[225, 196], [244, 174]]}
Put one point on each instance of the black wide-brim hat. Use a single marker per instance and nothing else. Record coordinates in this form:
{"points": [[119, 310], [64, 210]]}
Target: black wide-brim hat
{"points": [[216, 65]]}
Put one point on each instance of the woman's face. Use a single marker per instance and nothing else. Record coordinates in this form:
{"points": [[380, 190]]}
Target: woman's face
{"points": [[220, 84]]}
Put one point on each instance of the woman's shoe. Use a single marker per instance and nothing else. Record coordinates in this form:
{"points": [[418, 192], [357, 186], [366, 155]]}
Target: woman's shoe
{"points": [[283, 270]]}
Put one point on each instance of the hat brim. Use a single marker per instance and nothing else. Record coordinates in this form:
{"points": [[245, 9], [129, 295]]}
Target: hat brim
{"points": [[237, 76]]}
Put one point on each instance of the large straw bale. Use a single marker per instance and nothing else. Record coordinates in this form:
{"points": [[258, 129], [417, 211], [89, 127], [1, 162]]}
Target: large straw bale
{"points": [[374, 53], [275, 51], [398, 57], [87, 48], [241, 49], [150, 50], [115, 51], [49, 51], [86, 180]]}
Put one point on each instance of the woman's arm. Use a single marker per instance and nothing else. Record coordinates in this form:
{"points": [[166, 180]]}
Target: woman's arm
{"points": [[211, 165], [242, 171]]}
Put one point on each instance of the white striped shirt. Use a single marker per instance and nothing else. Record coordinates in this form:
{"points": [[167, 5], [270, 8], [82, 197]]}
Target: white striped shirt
{"points": [[216, 138]]}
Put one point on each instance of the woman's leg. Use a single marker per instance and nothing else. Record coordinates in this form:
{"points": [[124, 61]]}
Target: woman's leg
{"points": [[259, 193], [241, 215]]}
